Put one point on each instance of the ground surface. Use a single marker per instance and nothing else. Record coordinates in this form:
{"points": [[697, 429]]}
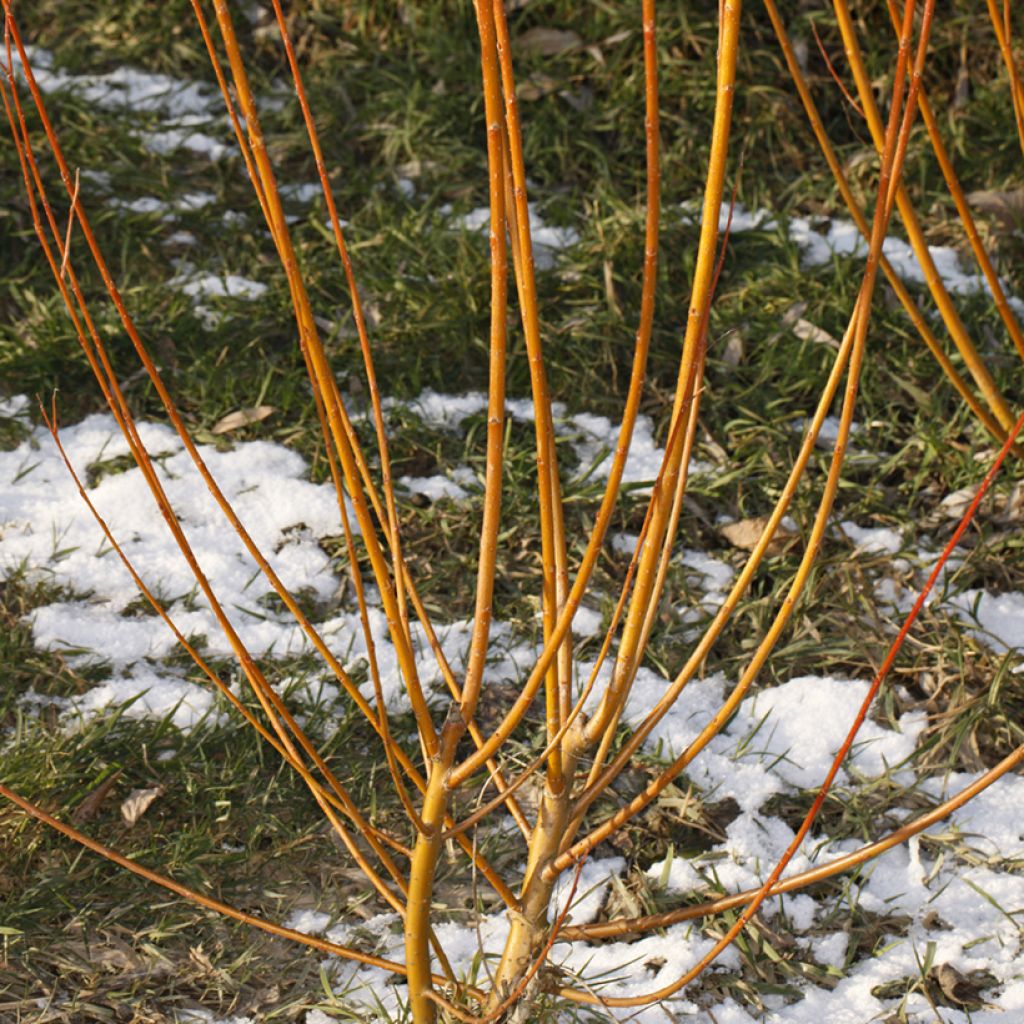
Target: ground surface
{"points": [[394, 90]]}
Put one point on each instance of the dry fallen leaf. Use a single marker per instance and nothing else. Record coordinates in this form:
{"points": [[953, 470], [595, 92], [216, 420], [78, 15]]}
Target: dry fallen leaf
{"points": [[87, 809], [138, 802], [794, 313], [533, 87], [745, 533], [955, 505], [1006, 206], [732, 353], [242, 418], [956, 987], [1013, 510], [806, 331], [548, 42]]}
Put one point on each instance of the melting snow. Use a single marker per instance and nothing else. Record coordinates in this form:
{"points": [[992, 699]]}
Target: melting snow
{"points": [[547, 241], [779, 740]]}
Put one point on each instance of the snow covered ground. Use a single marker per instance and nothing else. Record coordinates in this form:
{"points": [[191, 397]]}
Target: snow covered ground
{"points": [[966, 915]]}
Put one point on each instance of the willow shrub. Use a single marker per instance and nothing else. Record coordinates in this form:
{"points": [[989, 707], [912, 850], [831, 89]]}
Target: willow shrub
{"points": [[583, 754]]}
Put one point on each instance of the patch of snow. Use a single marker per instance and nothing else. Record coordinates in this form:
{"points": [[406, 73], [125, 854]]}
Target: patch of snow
{"points": [[547, 241], [829, 433], [301, 192], [433, 487], [187, 203], [598, 438], [735, 216], [873, 540], [587, 621], [999, 617], [14, 408], [216, 286], [170, 140], [309, 922], [591, 888], [126, 90]]}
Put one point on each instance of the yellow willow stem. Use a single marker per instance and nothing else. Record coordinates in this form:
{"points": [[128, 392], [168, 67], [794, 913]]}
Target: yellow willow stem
{"points": [[896, 135], [324, 380], [902, 292], [782, 505], [435, 804], [558, 690], [1001, 26], [491, 523], [659, 585], [394, 538], [346, 444], [392, 534], [553, 552], [915, 234], [642, 344], [97, 356], [632, 407], [618, 689], [165, 397], [119, 409], [336, 476], [963, 210], [386, 738], [342, 802], [482, 811]]}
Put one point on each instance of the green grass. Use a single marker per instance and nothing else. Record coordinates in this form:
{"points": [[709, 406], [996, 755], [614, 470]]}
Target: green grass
{"points": [[395, 89]]}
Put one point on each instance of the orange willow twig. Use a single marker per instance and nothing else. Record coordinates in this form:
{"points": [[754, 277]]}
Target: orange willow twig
{"points": [[264, 693], [1001, 25], [887, 663], [552, 527], [902, 292], [270, 701], [404, 580], [856, 335], [339, 799], [915, 234], [963, 209], [803, 879]]}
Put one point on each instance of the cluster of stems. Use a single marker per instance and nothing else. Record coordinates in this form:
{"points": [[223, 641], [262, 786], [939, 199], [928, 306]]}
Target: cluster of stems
{"points": [[582, 754]]}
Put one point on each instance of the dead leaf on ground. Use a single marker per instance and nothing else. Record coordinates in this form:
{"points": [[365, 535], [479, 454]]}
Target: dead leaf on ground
{"points": [[745, 533], [794, 313], [733, 351], [1007, 206], [535, 87], [138, 802], [581, 99], [959, 989], [242, 418], [955, 505], [806, 331], [1013, 510], [89, 807], [548, 42]]}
